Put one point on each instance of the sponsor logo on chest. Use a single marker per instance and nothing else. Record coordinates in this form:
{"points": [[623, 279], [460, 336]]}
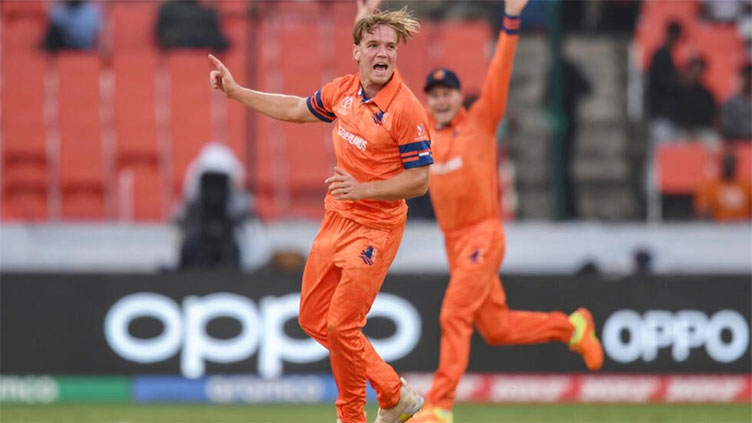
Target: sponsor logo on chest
{"points": [[353, 139]]}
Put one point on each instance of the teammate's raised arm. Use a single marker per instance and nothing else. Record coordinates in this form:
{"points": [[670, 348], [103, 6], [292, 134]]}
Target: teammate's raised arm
{"points": [[492, 102], [366, 7], [288, 108]]}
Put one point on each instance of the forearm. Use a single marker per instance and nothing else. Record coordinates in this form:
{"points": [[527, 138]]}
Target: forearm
{"points": [[408, 184], [287, 108], [492, 103]]}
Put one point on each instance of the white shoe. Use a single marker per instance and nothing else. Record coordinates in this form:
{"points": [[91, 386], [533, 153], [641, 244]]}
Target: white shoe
{"points": [[409, 403]]}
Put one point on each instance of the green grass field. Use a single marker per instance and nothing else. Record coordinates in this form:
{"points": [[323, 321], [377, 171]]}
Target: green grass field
{"points": [[464, 413]]}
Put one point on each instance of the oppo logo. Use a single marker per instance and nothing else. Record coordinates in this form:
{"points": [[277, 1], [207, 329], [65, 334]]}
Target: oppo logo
{"points": [[261, 331], [724, 335]]}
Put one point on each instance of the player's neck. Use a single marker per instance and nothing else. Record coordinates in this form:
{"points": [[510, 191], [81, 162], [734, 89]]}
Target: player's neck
{"points": [[370, 89]]}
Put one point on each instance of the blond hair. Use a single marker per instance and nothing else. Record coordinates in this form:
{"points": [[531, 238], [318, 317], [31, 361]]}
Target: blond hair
{"points": [[402, 21]]}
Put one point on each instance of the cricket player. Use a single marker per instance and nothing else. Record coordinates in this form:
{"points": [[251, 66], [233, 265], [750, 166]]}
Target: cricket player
{"points": [[382, 146], [464, 193]]}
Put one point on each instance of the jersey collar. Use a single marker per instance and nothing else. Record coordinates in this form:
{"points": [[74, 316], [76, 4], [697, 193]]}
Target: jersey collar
{"points": [[386, 94]]}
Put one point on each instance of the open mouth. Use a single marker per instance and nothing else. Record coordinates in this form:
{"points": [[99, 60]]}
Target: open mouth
{"points": [[380, 67]]}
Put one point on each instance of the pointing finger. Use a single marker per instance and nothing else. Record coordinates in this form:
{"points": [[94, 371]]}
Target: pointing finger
{"points": [[217, 63]]}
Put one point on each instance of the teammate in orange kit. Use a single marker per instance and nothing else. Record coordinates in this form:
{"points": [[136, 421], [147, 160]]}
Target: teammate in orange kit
{"points": [[464, 192], [383, 151]]}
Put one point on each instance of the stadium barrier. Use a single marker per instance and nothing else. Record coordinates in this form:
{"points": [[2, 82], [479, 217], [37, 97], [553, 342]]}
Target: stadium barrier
{"points": [[197, 324], [234, 338], [319, 388]]}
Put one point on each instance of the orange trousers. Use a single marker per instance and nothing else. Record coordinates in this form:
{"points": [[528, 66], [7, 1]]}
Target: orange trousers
{"points": [[475, 296], [344, 272]]}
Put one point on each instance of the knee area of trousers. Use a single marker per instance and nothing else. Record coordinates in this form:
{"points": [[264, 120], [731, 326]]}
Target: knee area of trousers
{"points": [[500, 336], [450, 318], [336, 331], [309, 326]]}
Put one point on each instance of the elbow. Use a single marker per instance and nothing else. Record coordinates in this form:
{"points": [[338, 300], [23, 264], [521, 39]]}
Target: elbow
{"points": [[420, 187]]}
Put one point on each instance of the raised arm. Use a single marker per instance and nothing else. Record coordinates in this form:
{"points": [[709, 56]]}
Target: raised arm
{"points": [[492, 103], [365, 8], [288, 108]]}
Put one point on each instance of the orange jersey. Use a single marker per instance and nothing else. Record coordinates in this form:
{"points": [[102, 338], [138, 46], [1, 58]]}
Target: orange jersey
{"points": [[725, 201], [374, 139], [464, 183]]}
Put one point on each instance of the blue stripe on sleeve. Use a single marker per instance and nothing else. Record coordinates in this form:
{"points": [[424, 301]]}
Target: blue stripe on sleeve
{"points": [[415, 146], [320, 103], [423, 161], [316, 113]]}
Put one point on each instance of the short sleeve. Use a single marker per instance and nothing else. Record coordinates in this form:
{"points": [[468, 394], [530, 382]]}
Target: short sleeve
{"points": [[412, 137], [321, 102]]}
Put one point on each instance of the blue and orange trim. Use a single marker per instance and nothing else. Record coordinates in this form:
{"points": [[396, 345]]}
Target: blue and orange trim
{"points": [[316, 106], [511, 24]]}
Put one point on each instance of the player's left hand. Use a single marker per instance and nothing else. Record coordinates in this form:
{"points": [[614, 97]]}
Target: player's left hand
{"points": [[514, 7], [343, 186]]}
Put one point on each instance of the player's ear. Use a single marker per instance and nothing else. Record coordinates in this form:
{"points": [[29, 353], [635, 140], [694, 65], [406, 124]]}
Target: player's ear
{"points": [[356, 53]]}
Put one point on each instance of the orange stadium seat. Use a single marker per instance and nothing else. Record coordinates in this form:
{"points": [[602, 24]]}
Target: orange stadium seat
{"points": [[137, 149], [237, 59], [133, 24], [470, 41], [420, 56], [135, 120], [723, 63], [190, 109], [24, 190], [23, 8], [651, 28], [22, 35], [23, 130], [682, 167], [140, 191], [308, 153], [342, 43], [261, 169], [81, 155], [23, 96], [743, 152], [297, 11], [231, 8], [343, 14]]}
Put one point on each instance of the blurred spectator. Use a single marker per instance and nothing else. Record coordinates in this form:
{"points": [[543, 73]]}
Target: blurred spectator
{"points": [[727, 11], [744, 26], [696, 106], [574, 87], [736, 115], [588, 268], [214, 209], [725, 198], [663, 86], [618, 15], [722, 10], [572, 15], [74, 24], [643, 261], [188, 24]]}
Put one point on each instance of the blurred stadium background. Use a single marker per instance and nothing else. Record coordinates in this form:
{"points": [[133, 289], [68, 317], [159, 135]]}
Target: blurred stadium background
{"points": [[153, 233]]}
